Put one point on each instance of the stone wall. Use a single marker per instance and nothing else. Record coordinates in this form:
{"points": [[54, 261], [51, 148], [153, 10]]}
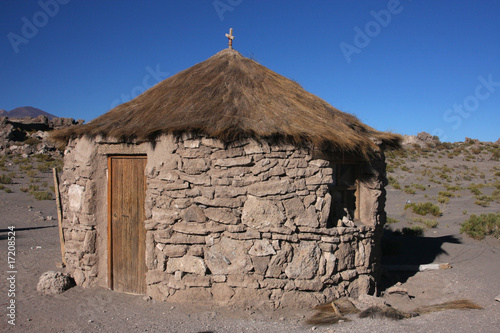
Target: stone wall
{"points": [[83, 197], [249, 222], [233, 225]]}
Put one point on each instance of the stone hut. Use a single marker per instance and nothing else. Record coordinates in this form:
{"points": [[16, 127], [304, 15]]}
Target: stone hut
{"points": [[226, 183]]}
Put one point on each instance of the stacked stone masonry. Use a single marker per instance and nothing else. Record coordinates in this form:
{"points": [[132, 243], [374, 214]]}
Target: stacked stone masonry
{"points": [[228, 224]]}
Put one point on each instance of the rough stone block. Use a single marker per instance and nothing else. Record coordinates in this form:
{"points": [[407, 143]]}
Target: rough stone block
{"points": [[229, 191], [254, 147], [234, 161], [213, 143], [194, 214], [261, 248], [278, 262], [308, 236], [349, 275], [305, 261], [75, 197], [259, 213], [228, 257], [201, 179], [242, 281], [319, 163], [89, 259], [196, 281], [288, 238], [165, 216], [234, 228], [195, 250], [175, 251], [177, 185], [89, 242], [191, 295], [345, 255], [178, 238], [219, 202], [157, 292], [260, 264], [263, 189], [294, 207], [222, 215], [309, 285], [188, 264], [273, 283], [330, 239], [52, 283], [309, 218], [300, 299], [194, 166], [162, 236], [222, 293], [247, 235], [156, 276]]}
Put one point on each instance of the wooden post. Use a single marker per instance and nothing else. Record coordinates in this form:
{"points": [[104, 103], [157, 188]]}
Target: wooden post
{"points": [[59, 214]]}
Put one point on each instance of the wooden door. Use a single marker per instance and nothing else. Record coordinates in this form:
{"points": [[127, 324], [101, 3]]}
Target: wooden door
{"points": [[126, 232]]}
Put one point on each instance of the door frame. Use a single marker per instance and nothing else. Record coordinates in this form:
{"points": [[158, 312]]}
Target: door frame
{"points": [[110, 197]]}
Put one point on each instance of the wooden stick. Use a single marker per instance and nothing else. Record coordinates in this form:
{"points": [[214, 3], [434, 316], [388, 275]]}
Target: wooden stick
{"points": [[59, 215], [416, 268]]}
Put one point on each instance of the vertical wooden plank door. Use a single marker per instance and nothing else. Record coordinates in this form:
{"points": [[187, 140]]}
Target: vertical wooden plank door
{"points": [[126, 232]]}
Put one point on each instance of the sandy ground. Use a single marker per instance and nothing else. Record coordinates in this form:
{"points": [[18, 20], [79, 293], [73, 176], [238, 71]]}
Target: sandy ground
{"points": [[475, 275]]}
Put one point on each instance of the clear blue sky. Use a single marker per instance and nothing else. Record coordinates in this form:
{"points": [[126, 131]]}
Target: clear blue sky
{"points": [[403, 66]]}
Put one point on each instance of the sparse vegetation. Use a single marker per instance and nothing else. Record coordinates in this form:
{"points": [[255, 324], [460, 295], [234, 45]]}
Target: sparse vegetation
{"points": [[416, 231], [424, 208], [419, 187], [4, 179], [32, 141], [453, 188], [391, 220], [409, 190], [443, 200], [481, 226], [483, 200], [31, 173], [42, 195], [394, 182]]}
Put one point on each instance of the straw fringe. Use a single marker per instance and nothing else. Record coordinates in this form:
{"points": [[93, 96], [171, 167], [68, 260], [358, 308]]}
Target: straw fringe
{"points": [[333, 312]]}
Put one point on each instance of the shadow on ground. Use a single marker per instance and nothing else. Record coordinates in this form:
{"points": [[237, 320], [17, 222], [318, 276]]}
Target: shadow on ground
{"points": [[403, 250], [4, 232]]}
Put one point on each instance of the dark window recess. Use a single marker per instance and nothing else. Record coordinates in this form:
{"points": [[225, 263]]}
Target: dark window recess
{"points": [[344, 191]]}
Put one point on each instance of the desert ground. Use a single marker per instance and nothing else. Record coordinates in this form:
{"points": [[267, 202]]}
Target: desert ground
{"points": [[462, 179]]}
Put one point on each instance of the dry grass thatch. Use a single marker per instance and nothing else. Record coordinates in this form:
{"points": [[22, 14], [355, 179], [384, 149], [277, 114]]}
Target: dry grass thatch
{"points": [[229, 97], [333, 312]]}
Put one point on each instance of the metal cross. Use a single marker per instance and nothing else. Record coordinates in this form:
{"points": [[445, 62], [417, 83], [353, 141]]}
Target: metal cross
{"points": [[230, 37]]}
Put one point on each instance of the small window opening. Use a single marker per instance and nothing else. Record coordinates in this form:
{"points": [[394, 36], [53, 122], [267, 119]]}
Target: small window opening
{"points": [[344, 193]]}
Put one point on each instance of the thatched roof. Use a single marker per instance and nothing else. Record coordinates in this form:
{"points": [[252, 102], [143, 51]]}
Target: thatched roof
{"points": [[228, 97]]}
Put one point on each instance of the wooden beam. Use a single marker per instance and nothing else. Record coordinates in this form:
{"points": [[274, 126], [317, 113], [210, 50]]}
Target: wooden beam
{"points": [[59, 215], [110, 238]]}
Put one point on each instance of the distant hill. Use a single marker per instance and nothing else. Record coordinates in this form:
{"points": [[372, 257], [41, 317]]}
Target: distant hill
{"points": [[25, 111]]}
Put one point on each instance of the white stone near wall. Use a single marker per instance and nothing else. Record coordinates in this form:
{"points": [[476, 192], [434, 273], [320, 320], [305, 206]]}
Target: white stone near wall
{"points": [[75, 197]]}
